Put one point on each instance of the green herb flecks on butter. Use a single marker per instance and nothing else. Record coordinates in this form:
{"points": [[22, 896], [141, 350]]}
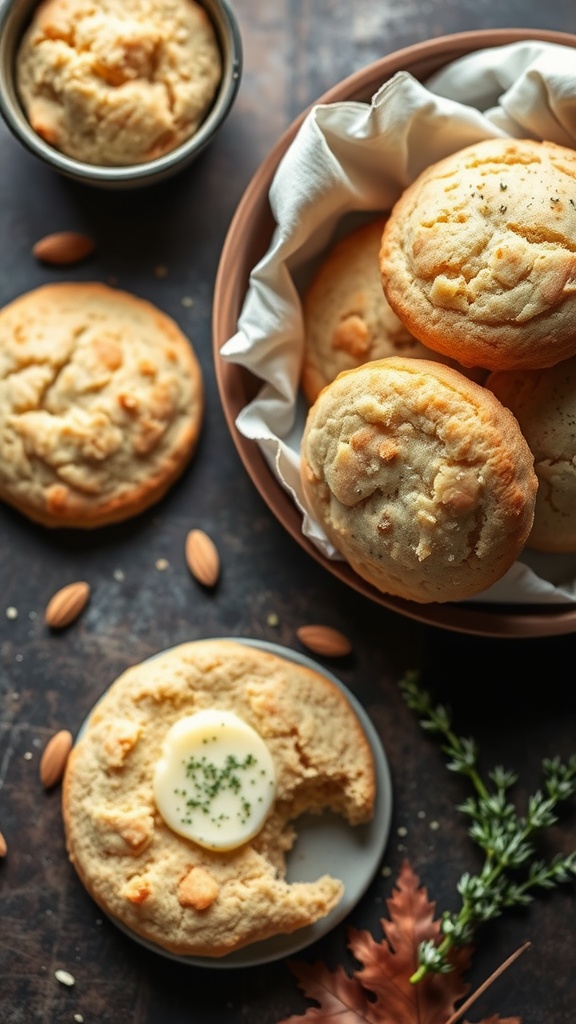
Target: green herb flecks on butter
{"points": [[215, 781]]}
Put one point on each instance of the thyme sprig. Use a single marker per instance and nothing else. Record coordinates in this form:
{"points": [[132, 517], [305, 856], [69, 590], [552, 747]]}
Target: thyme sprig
{"points": [[511, 868]]}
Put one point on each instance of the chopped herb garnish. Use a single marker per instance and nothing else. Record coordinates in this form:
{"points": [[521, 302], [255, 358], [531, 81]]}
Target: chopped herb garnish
{"points": [[208, 780]]}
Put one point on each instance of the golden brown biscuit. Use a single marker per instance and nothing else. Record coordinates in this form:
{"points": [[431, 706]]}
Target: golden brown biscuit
{"points": [[544, 403], [420, 478], [478, 256], [347, 319], [165, 887], [101, 404], [119, 81]]}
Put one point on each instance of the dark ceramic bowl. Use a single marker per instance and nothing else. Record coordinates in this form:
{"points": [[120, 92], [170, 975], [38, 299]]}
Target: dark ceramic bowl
{"points": [[14, 18]]}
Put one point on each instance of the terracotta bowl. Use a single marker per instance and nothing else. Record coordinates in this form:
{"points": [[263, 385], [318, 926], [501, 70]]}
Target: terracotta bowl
{"points": [[247, 241]]}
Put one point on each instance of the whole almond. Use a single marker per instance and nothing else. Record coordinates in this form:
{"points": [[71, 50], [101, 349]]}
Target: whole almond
{"points": [[66, 604], [202, 557], [324, 640], [54, 757], [63, 248], [3, 846]]}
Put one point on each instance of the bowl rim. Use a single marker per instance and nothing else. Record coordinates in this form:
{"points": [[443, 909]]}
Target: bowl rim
{"points": [[15, 14], [236, 385]]}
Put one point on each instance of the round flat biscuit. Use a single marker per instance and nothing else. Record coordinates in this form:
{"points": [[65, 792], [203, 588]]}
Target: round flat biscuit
{"points": [[544, 403], [118, 82], [478, 256], [347, 319], [419, 476], [101, 404], [166, 888]]}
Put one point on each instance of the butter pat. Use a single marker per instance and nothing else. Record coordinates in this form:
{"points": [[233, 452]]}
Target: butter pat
{"points": [[215, 781]]}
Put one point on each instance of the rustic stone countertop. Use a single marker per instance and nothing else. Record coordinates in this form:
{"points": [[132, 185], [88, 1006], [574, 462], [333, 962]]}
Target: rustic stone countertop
{"points": [[516, 697]]}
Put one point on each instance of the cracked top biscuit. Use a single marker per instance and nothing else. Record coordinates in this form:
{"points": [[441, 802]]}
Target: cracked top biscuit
{"points": [[167, 888], [347, 320], [118, 82], [544, 403], [478, 257], [420, 478], [101, 404]]}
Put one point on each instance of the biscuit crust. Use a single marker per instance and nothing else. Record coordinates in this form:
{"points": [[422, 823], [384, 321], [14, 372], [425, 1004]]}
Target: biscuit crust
{"points": [[421, 479], [544, 403], [478, 257], [186, 898], [101, 404], [118, 82], [347, 318]]}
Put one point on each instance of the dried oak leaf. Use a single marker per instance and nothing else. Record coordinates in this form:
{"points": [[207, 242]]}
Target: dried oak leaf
{"points": [[381, 992]]}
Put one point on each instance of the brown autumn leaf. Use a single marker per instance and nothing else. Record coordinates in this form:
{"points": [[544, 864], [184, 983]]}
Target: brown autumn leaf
{"points": [[380, 991]]}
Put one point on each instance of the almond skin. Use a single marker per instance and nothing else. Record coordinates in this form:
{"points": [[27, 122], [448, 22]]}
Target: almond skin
{"points": [[202, 557], [66, 604], [63, 248], [331, 643], [54, 757], [3, 846]]}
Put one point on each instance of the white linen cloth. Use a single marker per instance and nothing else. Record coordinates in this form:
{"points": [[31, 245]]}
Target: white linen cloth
{"points": [[350, 159]]}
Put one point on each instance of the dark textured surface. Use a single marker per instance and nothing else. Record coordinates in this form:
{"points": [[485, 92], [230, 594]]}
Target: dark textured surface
{"points": [[516, 697]]}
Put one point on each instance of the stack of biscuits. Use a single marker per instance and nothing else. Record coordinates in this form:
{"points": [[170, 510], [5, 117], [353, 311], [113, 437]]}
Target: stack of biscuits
{"points": [[441, 435]]}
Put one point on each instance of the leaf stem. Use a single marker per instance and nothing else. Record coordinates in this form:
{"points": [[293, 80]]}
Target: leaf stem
{"points": [[486, 984]]}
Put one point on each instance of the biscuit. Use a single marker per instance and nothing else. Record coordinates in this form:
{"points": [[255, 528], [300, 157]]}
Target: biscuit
{"points": [[419, 477], [478, 256], [101, 404], [347, 319], [118, 82], [166, 888], [544, 403]]}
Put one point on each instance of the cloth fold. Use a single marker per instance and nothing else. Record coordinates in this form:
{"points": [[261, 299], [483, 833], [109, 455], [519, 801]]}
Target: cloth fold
{"points": [[350, 160]]}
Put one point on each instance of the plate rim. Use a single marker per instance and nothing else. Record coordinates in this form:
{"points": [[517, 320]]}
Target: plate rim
{"points": [[502, 621]]}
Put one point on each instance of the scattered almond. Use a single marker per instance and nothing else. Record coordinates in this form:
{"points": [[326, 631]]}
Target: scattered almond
{"points": [[66, 604], [202, 557], [3, 846], [63, 248], [54, 757], [64, 977], [324, 640]]}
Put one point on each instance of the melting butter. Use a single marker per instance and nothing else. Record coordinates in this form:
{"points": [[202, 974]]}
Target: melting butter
{"points": [[215, 781]]}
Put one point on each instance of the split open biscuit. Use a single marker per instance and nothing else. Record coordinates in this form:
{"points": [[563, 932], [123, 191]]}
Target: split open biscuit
{"points": [[167, 888]]}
